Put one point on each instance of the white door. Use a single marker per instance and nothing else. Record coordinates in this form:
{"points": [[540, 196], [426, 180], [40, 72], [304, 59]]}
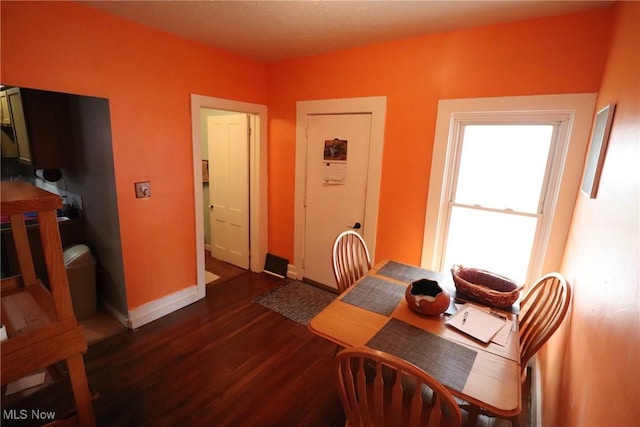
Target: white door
{"points": [[229, 187], [336, 183]]}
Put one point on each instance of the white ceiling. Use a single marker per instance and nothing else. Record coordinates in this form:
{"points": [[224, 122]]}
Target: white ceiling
{"points": [[276, 30]]}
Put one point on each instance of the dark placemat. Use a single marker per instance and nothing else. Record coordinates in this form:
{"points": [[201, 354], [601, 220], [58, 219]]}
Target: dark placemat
{"points": [[408, 273], [375, 295], [446, 361]]}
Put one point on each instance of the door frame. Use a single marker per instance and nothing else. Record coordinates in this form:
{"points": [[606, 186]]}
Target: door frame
{"points": [[257, 180], [377, 107]]}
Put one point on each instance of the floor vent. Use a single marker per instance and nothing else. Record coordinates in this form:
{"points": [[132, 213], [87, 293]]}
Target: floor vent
{"points": [[276, 266]]}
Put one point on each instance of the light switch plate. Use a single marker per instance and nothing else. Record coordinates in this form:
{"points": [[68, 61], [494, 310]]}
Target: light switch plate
{"points": [[143, 189]]}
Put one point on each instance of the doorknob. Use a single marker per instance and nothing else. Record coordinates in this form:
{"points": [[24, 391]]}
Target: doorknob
{"points": [[356, 226], [210, 206]]}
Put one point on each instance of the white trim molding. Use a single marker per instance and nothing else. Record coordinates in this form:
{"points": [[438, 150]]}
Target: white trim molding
{"points": [[258, 216], [258, 219], [536, 394], [575, 110], [115, 313], [161, 307]]}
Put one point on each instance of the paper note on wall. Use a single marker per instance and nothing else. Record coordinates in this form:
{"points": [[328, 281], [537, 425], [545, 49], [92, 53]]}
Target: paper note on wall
{"points": [[334, 172], [335, 161]]}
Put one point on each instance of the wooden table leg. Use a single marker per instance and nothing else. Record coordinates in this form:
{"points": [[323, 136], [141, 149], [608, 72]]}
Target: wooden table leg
{"points": [[23, 250], [81, 392]]}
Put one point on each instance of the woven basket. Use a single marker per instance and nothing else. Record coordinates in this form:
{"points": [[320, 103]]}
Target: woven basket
{"points": [[485, 287]]}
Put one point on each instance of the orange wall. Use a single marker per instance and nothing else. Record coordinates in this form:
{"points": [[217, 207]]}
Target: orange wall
{"points": [[543, 56], [147, 77], [590, 376], [591, 373]]}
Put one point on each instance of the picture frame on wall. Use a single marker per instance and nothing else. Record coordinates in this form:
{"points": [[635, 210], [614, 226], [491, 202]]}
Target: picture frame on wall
{"points": [[597, 150]]}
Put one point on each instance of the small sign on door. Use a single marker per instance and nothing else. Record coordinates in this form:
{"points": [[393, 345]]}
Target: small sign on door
{"points": [[335, 161]]}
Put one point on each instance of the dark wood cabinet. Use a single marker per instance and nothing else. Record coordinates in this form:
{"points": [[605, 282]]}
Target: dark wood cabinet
{"points": [[41, 124], [7, 138], [5, 117]]}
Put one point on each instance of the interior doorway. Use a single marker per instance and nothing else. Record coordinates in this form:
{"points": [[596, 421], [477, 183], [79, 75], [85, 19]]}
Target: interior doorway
{"points": [[336, 186], [257, 157], [226, 185], [375, 109]]}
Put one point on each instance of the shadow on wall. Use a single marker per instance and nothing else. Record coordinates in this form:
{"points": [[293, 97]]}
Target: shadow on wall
{"points": [[85, 176]]}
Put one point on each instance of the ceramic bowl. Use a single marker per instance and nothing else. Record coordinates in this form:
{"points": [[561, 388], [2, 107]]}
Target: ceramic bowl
{"points": [[425, 296]]}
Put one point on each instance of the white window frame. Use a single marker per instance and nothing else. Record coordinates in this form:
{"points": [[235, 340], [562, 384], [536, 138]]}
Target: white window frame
{"points": [[572, 113]]}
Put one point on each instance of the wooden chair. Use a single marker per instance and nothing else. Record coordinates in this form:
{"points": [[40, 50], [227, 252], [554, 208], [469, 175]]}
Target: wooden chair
{"points": [[351, 259], [379, 389], [541, 312]]}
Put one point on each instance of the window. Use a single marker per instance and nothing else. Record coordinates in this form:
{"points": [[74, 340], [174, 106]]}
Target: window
{"points": [[504, 177], [497, 202]]}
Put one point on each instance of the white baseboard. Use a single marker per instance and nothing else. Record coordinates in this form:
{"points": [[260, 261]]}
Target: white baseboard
{"points": [[536, 395], [161, 307], [115, 313], [292, 272]]}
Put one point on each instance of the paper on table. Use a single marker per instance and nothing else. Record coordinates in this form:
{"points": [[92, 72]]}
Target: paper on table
{"points": [[502, 337], [477, 323]]}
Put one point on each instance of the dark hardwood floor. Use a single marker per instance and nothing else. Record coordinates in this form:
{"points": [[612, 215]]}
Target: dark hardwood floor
{"points": [[222, 361], [223, 269]]}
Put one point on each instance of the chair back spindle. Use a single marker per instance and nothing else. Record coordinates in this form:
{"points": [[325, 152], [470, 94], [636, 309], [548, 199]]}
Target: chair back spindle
{"points": [[351, 259], [542, 310], [379, 389]]}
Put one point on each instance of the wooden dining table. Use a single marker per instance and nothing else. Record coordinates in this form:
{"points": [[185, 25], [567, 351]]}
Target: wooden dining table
{"points": [[374, 313]]}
